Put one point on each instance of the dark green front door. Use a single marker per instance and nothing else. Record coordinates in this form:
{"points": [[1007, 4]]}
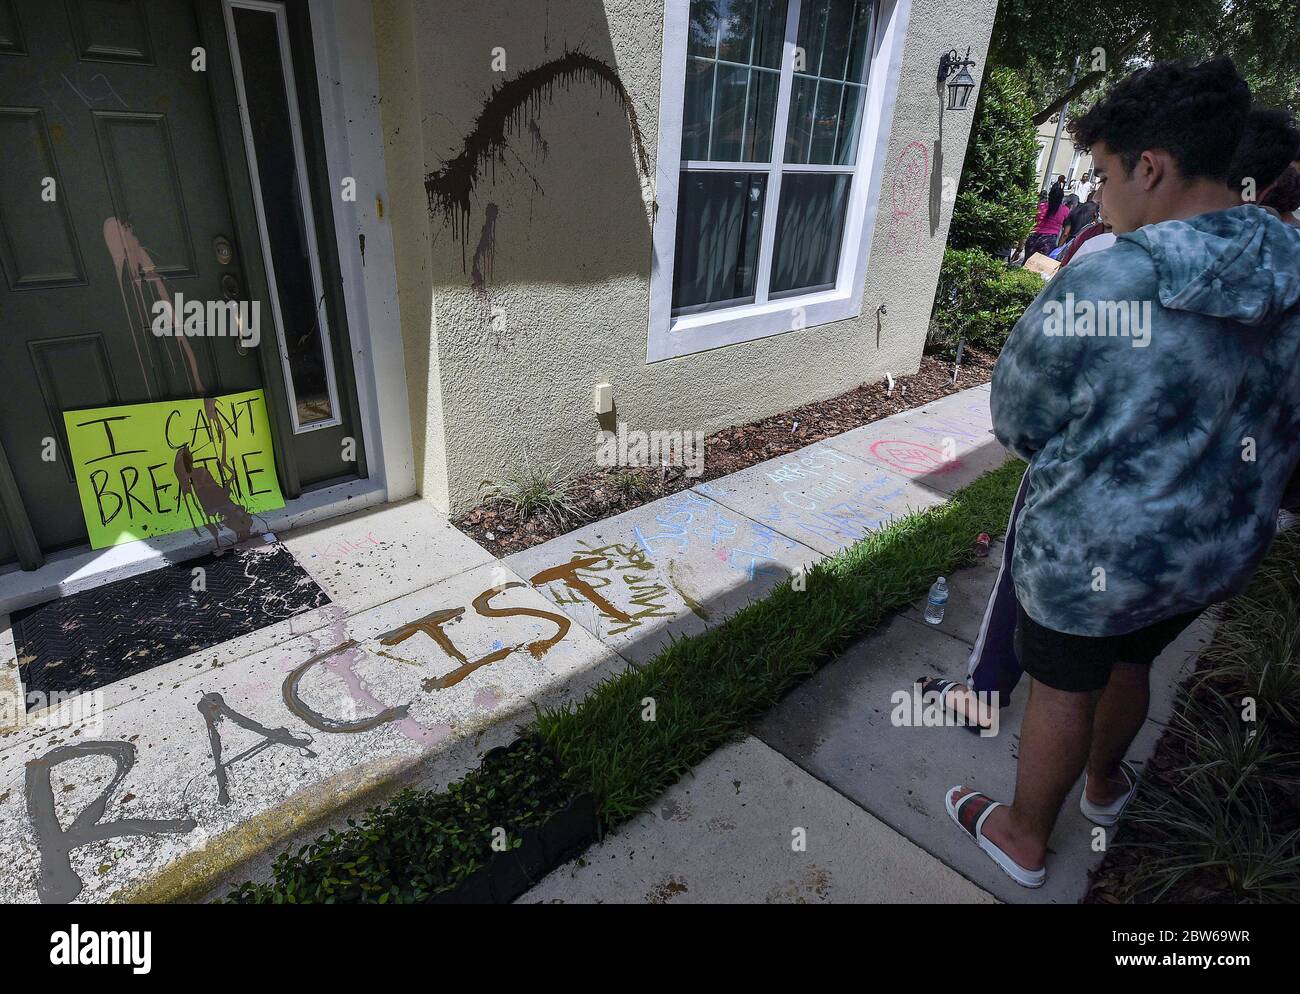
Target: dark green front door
{"points": [[125, 181]]}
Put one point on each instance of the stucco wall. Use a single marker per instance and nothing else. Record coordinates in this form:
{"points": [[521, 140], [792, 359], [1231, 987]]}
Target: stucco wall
{"points": [[505, 373]]}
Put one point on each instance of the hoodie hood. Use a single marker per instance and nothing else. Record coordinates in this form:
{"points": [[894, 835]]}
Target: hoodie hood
{"points": [[1242, 264]]}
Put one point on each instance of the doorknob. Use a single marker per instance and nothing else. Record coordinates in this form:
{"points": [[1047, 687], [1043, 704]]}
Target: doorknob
{"points": [[223, 250]]}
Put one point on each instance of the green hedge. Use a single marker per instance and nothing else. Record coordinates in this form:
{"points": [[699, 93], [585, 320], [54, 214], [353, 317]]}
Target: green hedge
{"points": [[421, 842], [978, 298], [998, 194]]}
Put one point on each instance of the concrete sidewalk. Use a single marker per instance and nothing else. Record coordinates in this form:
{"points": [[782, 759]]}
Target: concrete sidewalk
{"points": [[829, 759], [199, 771], [867, 793]]}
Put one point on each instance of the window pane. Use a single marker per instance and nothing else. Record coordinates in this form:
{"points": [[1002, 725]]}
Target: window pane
{"points": [[859, 35], [744, 116], [833, 36], [703, 38], [824, 113], [719, 221], [762, 115], [698, 109], [846, 145], [751, 31], [291, 243], [809, 230], [826, 121], [799, 128], [812, 33], [729, 113], [835, 47]]}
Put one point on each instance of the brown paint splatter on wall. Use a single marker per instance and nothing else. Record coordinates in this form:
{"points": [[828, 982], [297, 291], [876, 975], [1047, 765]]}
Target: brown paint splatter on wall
{"points": [[541, 147], [486, 249], [505, 112]]}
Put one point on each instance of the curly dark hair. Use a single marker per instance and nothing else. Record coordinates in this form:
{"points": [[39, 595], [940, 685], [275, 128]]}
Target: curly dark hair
{"points": [[1195, 113], [1284, 195], [1269, 144]]}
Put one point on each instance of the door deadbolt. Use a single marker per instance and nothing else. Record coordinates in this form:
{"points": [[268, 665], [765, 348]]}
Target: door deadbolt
{"points": [[229, 286], [223, 250]]}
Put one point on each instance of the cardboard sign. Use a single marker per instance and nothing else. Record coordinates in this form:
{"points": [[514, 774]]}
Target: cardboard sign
{"points": [[151, 469], [1042, 265]]}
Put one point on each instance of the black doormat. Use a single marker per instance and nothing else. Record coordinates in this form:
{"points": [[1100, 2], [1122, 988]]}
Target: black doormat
{"points": [[93, 638]]}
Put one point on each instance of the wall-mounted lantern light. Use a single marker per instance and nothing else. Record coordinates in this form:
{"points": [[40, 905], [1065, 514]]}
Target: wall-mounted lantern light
{"points": [[961, 84]]}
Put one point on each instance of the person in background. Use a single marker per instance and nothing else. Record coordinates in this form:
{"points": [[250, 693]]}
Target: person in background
{"points": [[1093, 237], [1085, 187], [1263, 168], [1052, 213], [1080, 217], [1284, 195], [1140, 510]]}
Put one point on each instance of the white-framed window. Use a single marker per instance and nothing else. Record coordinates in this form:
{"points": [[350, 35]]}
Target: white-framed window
{"points": [[774, 117]]}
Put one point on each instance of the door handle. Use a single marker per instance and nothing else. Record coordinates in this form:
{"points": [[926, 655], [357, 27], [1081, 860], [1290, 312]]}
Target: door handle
{"points": [[230, 291]]}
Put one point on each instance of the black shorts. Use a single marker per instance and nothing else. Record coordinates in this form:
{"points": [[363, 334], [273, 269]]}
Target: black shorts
{"points": [[1083, 662]]}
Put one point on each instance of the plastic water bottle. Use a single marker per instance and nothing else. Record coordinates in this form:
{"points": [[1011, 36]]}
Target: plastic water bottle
{"points": [[937, 602]]}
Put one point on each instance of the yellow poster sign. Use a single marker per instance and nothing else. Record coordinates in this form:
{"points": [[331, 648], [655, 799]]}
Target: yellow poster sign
{"points": [[151, 469]]}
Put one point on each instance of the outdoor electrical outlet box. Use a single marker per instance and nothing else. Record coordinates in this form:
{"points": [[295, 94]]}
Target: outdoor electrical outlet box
{"points": [[602, 398]]}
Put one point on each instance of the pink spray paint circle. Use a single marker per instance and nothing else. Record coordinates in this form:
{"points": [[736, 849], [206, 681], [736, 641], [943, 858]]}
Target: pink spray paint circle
{"points": [[912, 458]]}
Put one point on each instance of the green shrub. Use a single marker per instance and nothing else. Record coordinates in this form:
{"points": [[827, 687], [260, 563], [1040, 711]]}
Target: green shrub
{"points": [[545, 492], [998, 193], [421, 842], [978, 298]]}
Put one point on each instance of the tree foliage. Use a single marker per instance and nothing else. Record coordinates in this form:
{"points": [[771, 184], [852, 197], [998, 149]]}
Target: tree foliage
{"points": [[995, 204], [1041, 42]]}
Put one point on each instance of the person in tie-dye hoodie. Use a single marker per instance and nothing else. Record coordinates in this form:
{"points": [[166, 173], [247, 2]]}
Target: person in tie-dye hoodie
{"points": [[1154, 388]]}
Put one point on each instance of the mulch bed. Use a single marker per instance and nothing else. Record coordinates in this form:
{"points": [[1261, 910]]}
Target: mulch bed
{"points": [[605, 492]]}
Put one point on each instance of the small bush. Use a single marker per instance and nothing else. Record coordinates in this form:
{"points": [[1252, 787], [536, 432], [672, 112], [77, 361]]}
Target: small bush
{"points": [[537, 492], [980, 299]]}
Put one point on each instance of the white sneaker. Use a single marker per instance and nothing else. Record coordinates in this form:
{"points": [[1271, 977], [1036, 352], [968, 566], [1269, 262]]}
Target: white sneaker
{"points": [[1287, 520]]}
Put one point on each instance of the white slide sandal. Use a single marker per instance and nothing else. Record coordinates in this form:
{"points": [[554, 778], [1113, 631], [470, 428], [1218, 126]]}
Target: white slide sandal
{"points": [[1108, 814], [969, 814]]}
